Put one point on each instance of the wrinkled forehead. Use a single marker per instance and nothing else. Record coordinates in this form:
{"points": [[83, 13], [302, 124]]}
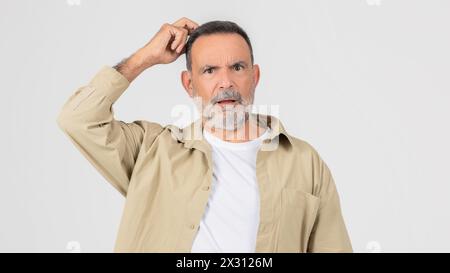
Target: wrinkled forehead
{"points": [[221, 49]]}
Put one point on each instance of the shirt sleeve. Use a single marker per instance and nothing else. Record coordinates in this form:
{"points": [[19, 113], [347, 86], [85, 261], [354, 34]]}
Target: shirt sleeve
{"points": [[329, 233], [110, 145]]}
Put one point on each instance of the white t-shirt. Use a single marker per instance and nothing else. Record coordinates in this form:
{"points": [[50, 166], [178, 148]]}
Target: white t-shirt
{"points": [[231, 219]]}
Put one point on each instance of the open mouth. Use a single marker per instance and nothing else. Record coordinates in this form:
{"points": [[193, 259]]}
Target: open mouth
{"points": [[227, 101]]}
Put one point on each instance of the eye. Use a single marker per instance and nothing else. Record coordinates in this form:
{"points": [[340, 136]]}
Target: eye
{"points": [[208, 70], [238, 67]]}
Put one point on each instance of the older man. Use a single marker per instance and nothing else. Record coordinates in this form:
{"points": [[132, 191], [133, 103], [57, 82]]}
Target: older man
{"points": [[232, 181]]}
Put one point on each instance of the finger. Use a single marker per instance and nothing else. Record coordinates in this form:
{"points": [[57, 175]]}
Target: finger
{"points": [[178, 34], [182, 42], [183, 50], [166, 34], [180, 38], [187, 24]]}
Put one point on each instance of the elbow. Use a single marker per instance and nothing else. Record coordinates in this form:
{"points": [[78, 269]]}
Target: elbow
{"points": [[64, 122]]}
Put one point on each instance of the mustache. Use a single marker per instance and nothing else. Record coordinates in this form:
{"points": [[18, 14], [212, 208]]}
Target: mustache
{"points": [[228, 94]]}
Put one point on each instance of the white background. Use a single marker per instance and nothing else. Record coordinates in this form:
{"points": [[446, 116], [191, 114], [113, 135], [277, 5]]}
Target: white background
{"points": [[366, 82]]}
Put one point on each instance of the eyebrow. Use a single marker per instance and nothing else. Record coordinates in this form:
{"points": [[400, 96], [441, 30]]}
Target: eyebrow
{"points": [[203, 68]]}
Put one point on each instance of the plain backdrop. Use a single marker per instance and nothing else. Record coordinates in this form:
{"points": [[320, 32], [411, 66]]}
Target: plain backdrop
{"points": [[366, 82]]}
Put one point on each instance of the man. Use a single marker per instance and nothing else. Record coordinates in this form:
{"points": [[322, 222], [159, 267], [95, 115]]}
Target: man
{"points": [[232, 181]]}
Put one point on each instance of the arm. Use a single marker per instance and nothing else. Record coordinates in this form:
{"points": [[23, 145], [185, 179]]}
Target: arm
{"points": [[87, 118]]}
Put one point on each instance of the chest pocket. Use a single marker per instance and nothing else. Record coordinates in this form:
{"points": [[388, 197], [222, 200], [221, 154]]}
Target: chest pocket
{"points": [[298, 213]]}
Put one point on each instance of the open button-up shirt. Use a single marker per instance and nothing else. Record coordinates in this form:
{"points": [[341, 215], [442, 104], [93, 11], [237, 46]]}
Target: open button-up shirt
{"points": [[165, 173]]}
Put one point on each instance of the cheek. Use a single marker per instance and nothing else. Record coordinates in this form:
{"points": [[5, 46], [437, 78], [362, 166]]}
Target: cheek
{"points": [[204, 88], [246, 87], [203, 92]]}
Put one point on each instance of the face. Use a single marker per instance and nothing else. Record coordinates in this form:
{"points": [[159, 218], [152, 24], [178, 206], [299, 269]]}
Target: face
{"points": [[222, 80]]}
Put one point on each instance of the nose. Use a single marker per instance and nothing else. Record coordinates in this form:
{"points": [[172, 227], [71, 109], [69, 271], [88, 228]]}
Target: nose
{"points": [[225, 80]]}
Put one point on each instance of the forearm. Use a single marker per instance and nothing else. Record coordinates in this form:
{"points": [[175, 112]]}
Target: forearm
{"points": [[132, 66]]}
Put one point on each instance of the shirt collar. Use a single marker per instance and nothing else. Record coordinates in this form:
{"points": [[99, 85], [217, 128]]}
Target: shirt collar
{"points": [[192, 135]]}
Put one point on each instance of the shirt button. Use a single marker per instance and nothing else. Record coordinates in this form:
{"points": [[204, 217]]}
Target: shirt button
{"points": [[206, 188], [192, 226]]}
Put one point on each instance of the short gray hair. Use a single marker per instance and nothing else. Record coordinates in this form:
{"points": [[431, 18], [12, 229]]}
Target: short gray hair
{"points": [[214, 27]]}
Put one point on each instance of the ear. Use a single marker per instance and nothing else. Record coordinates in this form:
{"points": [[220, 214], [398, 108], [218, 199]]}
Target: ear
{"points": [[256, 74], [186, 80]]}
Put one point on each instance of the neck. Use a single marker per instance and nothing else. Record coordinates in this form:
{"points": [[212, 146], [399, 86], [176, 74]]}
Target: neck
{"points": [[249, 131]]}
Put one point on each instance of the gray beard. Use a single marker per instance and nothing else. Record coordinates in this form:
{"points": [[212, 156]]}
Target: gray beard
{"points": [[227, 120]]}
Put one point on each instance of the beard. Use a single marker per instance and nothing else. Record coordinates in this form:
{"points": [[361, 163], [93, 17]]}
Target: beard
{"points": [[230, 117]]}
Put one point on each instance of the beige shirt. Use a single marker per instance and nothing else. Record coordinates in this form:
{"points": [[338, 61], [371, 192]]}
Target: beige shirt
{"points": [[165, 173]]}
